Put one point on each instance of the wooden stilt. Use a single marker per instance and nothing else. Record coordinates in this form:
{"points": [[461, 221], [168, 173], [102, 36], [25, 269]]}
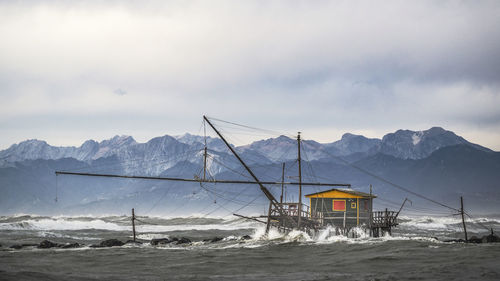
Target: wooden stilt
{"points": [[268, 225], [463, 219], [133, 223]]}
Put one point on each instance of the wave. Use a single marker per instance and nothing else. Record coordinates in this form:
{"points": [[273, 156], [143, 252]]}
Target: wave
{"points": [[123, 224]]}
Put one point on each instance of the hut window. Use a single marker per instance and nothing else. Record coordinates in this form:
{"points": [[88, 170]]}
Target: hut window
{"points": [[353, 205], [339, 205]]}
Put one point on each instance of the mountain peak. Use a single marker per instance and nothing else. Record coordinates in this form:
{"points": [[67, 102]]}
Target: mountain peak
{"points": [[407, 144], [118, 140]]}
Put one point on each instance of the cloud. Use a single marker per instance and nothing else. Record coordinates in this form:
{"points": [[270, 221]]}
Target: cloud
{"points": [[327, 65], [120, 92]]}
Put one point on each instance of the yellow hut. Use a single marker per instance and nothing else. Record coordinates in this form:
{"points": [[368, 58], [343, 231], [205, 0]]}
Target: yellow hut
{"points": [[341, 207]]}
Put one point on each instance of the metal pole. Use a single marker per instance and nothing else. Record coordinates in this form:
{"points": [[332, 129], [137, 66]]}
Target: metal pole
{"points": [[133, 223], [300, 181], [463, 219]]}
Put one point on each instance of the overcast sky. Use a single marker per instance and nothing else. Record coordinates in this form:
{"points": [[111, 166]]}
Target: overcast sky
{"points": [[77, 70]]}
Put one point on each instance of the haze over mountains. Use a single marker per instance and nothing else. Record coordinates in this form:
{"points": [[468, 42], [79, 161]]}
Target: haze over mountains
{"points": [[435, 162]]}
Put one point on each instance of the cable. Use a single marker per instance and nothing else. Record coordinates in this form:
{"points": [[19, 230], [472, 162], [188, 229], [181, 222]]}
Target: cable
{"points": [[389, 182], [248, 127]]}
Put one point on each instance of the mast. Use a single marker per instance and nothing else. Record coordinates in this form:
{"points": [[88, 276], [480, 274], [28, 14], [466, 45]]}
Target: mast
{"points": [[300, 182], [266, 192], [205, 163], [205, 152]]}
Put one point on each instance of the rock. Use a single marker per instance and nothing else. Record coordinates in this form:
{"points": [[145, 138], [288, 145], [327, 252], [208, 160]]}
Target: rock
{"points": [[454, 240], [71, 245], [16, 246], [29, 245], [216, 239], [160, 241], [474, 239], [183, 240], [133, 242], [111, 243], [246, 237], [492, 238], [46, 244]]}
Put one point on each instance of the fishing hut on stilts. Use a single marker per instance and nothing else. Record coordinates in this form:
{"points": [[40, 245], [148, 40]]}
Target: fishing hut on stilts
{"points": [[339, 206]]}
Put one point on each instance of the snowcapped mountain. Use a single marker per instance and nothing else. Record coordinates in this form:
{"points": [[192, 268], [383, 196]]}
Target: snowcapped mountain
{"points": [[161, 153], [215, 144], [350, 143], [435, 161], [283, 148], [406, 144]]}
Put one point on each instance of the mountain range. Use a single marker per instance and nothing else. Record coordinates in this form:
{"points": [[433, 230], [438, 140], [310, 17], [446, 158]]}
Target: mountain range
{"points": [[435, 162]]}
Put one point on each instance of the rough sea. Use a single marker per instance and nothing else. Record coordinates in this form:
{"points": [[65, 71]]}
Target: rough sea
{"points": [[411, 253]]}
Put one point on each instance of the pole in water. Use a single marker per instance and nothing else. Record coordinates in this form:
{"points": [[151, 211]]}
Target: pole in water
{"points": [[133, 223], [300, 182], [268, 224], [463, 219], [371, 212], [282, 182]]}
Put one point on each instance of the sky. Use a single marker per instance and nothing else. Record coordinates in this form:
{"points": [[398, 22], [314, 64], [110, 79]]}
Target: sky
{"points": [[77, 70]]}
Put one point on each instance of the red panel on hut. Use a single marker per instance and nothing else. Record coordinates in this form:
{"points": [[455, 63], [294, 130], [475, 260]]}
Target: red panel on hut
{"points": [[339, 205]]}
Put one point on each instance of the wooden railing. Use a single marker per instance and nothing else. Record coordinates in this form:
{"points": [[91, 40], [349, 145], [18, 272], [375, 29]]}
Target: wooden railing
{"points": [[384, 218], [292, 209]]}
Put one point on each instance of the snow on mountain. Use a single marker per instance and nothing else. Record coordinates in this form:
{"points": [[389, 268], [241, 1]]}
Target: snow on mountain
{"points": [[406, 144], [215, 144], [350, 143], [34, 149], [283, 148], [161, 153]]}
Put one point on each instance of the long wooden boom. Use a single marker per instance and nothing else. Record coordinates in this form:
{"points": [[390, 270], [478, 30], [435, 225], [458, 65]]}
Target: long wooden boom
{"points": [[197, 180]]}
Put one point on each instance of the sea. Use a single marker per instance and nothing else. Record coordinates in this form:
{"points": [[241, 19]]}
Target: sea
{"points": [[416, 250]]}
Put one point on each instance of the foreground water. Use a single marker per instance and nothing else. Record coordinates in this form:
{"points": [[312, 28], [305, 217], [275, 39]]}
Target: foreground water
{"points": [[412, 253]]}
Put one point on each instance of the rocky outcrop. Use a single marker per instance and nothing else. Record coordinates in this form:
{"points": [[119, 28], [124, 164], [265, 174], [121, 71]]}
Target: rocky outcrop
{"points": [[183, 240], [160, 241], [71, 245], [111, 243], [246, 237], [46, 244], [175, 240], [133, 242], [213, 240]]}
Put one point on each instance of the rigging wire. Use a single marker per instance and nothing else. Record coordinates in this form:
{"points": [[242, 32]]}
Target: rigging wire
{"points": [[478, 222], [248, 127], [389, 182]]}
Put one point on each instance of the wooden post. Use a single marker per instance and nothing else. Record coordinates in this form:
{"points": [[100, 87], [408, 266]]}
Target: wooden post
{"points": [[205, 163], [300, 182], [133, 223], [463, 219], [282, 182], [371, 212], [386, 218], [345, 214], [268, 226]]}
